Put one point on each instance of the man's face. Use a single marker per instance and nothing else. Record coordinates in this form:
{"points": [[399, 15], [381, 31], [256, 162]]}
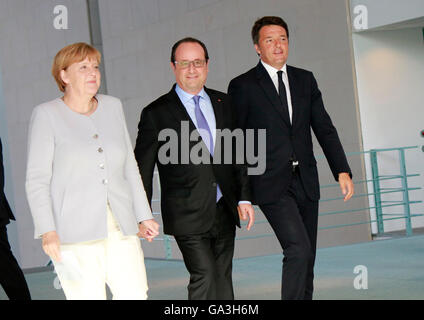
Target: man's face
{"points": [[273, 45], [191, 79]]}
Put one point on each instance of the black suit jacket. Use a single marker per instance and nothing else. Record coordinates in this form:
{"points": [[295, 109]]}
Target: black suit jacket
{"points": [[188, 190], [5, 211], [259, 107]]}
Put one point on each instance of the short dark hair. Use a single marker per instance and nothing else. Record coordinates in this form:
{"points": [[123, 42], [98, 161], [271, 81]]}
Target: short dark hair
{"points": [[266, 21], [188, 39]]}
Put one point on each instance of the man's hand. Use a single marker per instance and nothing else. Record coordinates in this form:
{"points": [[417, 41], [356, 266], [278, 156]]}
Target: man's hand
{"points": [[246, 211], [346, 185], [148, 229], [51, 245]]}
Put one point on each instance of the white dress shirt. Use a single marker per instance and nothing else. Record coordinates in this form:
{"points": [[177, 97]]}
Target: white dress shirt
{"points": [[274, 77]]}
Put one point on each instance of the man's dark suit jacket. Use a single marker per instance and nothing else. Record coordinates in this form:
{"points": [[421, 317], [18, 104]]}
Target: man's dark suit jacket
{"points": [[5, 211], [188, 191], [259, 107]]}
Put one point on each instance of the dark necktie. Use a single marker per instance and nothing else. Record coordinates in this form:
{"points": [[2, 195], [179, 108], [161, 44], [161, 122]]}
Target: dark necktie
{"points": [[205, 133], [283, 94], [283, 97]]}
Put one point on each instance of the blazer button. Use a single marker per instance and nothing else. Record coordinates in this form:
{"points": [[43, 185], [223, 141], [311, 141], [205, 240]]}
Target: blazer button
{"points": [[214, 184], [100, 150]]}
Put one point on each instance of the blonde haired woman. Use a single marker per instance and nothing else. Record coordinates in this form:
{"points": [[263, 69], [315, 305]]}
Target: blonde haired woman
{"points": [[83, 185]]}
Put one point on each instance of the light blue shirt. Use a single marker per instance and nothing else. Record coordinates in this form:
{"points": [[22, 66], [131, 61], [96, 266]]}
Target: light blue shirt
{"points": [[206, 108]]}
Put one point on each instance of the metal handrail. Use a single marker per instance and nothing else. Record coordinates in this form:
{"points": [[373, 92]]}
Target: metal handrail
{"points": [[376, 193]]}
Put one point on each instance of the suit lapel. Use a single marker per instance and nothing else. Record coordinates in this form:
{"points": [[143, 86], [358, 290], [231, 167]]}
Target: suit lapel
{"points": [[295, 87], [217, 108], [178, 110], [268, 86], [218, 111]]}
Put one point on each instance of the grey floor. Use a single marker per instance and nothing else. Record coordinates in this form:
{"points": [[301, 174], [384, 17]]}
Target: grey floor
{"points": [[395, 270]]}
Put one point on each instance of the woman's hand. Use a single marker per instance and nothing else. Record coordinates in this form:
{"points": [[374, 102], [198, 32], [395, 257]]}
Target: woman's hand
{"points": [[148, 229], [51, 245], [246, 212]]}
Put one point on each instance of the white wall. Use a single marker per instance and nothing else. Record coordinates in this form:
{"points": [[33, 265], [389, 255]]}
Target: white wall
{"points": [[390, 78], [28, 43], [137, 38]]}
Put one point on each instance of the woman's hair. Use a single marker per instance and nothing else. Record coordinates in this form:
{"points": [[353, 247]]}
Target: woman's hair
{"points": [[70, 54]]}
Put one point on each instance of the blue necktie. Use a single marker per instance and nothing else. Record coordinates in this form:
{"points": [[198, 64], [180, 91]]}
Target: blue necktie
{"points": [[205, 133]]}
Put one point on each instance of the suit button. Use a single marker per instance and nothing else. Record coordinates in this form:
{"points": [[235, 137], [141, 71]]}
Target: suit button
{"points": [[100, 150], [214, 184]]}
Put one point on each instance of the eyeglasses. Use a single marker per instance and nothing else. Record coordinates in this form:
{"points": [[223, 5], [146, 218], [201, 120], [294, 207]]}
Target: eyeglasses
{"points": [[184, 64]]}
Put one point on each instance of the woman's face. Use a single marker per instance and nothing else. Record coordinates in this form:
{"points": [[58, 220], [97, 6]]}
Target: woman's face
{"points": [[82, 78]]}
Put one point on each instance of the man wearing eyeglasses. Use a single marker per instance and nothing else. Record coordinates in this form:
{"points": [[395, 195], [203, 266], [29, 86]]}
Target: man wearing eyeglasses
{"points": [[201, 203]]}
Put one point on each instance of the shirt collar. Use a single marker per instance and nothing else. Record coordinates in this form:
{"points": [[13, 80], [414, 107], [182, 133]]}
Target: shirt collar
{"points": [[186, 97], [273, 71]]}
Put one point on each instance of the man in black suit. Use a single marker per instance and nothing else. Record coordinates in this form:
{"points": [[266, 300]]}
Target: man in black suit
{"points": [[11, 277], [201, 201], [286, 102]]}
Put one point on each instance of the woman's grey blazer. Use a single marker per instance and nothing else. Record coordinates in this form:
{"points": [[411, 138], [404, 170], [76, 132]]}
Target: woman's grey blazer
{"points": [[76, 164]]}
